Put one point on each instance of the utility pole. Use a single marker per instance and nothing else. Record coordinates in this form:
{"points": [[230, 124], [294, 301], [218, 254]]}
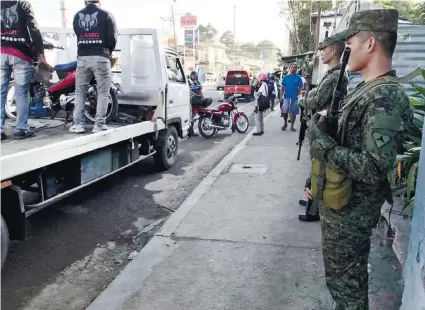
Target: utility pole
{"points": [[63, 13], [174, 24], [319, 14], [234, 34]]}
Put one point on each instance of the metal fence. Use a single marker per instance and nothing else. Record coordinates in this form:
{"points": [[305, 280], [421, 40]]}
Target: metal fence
{"points": [[408, 55]]}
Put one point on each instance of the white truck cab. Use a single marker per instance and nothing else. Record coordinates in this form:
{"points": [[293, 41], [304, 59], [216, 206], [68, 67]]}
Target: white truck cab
{"points": [[56, 163]]}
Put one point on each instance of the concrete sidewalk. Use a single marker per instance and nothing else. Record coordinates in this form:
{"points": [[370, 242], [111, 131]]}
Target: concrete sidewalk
{"points": [[236, 242]]}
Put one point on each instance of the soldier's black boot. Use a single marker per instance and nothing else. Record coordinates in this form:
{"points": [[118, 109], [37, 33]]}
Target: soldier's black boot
{"points": [[307, 217]]}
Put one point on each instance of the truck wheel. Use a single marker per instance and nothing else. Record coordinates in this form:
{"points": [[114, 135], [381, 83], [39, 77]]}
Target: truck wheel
{"points": [[4, 241], [166, 148]]}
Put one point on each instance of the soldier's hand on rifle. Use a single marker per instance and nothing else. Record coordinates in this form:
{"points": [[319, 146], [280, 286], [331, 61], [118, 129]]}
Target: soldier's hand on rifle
{"points": [[308, 194], [320, 141]]}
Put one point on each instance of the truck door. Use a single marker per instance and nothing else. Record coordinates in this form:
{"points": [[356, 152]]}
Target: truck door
{"points": [[178, 98]]}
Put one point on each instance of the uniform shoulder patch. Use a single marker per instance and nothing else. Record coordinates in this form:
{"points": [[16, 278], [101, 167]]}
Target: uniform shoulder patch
{"points": [[381, 139]]}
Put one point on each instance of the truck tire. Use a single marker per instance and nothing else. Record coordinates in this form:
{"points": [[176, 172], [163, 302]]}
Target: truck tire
{"points": [[166, 148], [4, 241]]}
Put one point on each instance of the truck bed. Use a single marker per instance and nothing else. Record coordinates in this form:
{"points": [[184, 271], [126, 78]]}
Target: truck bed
{"points": [[53, 143]]}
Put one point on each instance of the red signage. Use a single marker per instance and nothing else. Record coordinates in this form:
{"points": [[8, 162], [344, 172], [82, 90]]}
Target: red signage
{"points": [[188, 21]]}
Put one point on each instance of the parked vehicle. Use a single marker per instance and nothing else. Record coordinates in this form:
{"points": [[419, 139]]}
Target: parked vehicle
{"points": [[237, 80], [48, 98], [221, 82], [56, 164], [225, 116]]}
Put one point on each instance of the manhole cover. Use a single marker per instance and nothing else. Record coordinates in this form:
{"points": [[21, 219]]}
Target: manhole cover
{"points": [[248, 168]]}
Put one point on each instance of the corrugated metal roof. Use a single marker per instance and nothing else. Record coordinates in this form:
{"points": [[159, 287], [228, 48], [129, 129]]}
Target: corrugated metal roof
{"points": [[408, 55]]}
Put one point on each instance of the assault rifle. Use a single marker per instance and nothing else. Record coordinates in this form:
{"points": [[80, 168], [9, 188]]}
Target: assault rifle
{"points": [[333, 111], [303, 129]]}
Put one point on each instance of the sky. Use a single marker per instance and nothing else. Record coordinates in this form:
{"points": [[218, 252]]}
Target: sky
{"points": [[256, 21]]}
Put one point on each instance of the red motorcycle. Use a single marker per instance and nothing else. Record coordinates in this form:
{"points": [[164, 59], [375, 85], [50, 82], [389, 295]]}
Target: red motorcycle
{"points": [[47, 98], [225, 116]]}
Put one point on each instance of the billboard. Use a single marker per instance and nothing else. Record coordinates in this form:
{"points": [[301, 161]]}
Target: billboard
{"points": [[188, 21], [188, 37]]}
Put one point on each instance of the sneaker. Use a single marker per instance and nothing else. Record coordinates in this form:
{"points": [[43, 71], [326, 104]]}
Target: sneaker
{"points": [[100, 128], [23, 134], [77, 128]]}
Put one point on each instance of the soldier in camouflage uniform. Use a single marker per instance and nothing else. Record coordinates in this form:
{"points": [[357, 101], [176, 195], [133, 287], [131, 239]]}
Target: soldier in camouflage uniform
{"points": [[320, 99], [372, 126]]}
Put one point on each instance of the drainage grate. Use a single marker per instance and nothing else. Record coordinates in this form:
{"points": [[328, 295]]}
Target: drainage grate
{"points": [[248, 168]]}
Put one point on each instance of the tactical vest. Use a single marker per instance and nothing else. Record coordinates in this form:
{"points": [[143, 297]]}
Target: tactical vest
{"points": [[92, 29], [329, 186], [14, 31]]}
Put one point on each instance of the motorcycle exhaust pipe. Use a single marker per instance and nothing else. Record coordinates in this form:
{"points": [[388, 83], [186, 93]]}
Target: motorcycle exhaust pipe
{"points": [[217, 127]]}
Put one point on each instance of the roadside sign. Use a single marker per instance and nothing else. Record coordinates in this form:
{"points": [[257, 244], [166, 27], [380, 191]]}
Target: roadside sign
{"points": [[188, 37], [196, 36], [188, 21]]}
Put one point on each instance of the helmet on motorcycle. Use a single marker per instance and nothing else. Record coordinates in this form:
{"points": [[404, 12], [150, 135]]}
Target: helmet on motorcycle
{"points": [[193, 74], [262, 77]]}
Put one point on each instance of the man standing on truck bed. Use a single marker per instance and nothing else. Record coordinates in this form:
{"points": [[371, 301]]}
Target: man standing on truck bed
{"points": [[97, 37], [21, 41]]}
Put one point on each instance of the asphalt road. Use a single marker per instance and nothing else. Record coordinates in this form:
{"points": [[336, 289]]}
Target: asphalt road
{"points": [[79, 245]]}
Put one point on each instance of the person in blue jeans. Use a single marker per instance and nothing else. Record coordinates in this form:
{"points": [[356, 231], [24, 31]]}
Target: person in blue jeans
{"points": [[21, 41], [291, 86], [97, 38]]}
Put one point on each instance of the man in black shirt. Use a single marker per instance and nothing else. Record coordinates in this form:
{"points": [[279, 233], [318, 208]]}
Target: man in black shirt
{"points": [[97, 37], [21, 41]]}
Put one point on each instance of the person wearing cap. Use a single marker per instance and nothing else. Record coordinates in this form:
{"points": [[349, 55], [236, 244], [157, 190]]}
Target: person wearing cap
{"points": [[320, 99], [372, 125]]}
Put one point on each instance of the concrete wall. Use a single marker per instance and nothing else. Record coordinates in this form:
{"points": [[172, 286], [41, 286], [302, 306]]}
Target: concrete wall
{"points": [[414, 269]]}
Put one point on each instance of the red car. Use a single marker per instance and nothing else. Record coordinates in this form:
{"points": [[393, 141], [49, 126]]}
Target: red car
{"points": [[237, 82]]}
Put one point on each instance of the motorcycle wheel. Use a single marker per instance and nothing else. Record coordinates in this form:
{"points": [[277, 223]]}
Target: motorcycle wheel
{"points": [[204, 127], [91, 104], [242, 123], [11, 102]]}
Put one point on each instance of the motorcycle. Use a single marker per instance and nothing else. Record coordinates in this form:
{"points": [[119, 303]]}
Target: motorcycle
{"points": [[47, 98], [225, 116]]}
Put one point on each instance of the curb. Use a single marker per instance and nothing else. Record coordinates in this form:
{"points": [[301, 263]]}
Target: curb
{"points": [[130, 279]]}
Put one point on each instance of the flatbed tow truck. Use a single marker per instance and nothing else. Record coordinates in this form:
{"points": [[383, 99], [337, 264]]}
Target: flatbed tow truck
{"points": [[55, 163]]}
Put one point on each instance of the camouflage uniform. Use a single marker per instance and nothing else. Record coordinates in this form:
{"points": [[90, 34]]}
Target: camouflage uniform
{"points": [[319, 99], [375, 128]]}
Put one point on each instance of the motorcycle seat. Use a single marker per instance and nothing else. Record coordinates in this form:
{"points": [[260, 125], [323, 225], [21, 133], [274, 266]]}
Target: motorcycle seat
{"points": [[66, 67]]}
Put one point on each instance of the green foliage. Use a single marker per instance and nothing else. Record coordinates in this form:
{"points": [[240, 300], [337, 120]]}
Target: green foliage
{"points": [[207, 33], [228, 39], [297, 14], [409, 10], [404, 175]]}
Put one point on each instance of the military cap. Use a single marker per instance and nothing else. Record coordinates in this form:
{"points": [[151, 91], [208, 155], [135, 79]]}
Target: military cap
{"points": [[382, 20], [329, 41]]}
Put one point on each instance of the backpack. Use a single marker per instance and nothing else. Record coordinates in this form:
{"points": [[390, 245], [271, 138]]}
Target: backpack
{"points": [[270, 85], [263, 101]]}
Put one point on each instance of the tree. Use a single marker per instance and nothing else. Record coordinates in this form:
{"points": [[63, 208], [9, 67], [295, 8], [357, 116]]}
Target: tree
{"points": [[248, 49], [298, 21], [414, 12], [228, 39], [207, 33]]}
